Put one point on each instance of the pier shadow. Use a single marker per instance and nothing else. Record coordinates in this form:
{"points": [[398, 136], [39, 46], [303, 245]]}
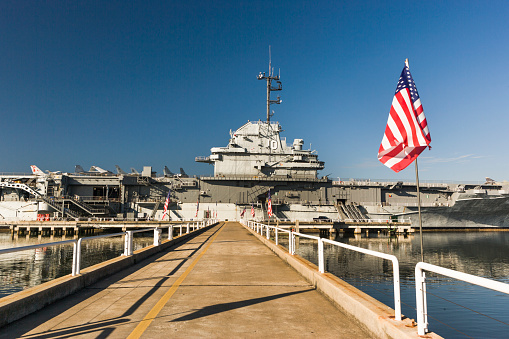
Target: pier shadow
{"points": [[225, 307], [100, 329]]}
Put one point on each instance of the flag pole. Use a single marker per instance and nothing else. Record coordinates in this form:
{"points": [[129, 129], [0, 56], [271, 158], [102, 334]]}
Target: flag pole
{"points": [[419, 207], [418, 195]]}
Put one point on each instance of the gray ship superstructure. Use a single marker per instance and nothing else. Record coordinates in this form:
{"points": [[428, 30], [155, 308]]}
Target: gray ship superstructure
{"points": [[257, 150], [256, 160]]}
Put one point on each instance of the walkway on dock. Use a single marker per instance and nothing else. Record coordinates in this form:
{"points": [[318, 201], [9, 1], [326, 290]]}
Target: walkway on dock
{"points": [[222, 283]]}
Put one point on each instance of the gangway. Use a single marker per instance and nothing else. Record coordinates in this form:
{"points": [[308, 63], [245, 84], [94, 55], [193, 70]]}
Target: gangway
{"points": [[84, 206], [59, 207], [154, 211]]}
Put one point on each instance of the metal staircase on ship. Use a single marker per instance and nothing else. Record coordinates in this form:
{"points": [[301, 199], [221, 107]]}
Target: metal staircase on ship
{"points": [[350, 211]]}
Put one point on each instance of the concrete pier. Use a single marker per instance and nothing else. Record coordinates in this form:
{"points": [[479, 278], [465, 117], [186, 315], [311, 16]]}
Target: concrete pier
{"points": [[357, 227], [60, 227], [222, 283]]}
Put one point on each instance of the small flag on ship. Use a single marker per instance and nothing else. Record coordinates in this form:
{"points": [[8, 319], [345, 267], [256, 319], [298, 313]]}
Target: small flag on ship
{"points": [[269, 207], [406, 134], [197, 207], [252, 210], [242, 214], [166, 203]]}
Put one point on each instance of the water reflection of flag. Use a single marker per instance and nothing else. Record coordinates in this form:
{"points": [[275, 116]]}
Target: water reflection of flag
{"points": [[252, 210], [406, 134], [166, 203], [269, 207]]}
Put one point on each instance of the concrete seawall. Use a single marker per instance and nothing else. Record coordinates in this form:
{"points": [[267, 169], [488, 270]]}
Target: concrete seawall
{"points": [[18, 305], [374, 316]]}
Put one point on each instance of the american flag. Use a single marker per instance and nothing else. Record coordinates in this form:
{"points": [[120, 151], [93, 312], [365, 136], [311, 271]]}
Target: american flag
{"points": [[406, 134], [269, 207], [166, 204], [197, 207], [243, 212], [252, 210]]}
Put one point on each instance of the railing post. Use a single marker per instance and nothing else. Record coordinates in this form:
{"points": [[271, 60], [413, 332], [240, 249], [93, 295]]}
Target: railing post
{"points": [[321, 264], [78, 257], [420, 288], [181, 229], [188, 228], [74, 257], [291, 243], [397, 292], [128, 244], [276, 235], [157, 236], [170, 232], [268, 232]]}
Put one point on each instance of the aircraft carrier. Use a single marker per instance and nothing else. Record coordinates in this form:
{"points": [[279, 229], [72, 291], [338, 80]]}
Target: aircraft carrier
{"points": [[257, 160]]}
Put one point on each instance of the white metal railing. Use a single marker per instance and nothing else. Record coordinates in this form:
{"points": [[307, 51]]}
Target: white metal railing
{"points": [[76, 262], [429, 183], [367, 221], [50, 244], [260, 228], [370, 221], [128, 241], [395, 269], [420, 289]]}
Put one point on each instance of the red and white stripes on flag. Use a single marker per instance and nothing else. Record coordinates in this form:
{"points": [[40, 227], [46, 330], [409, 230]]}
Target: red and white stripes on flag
{"points": [[252, 210], [166, 203], [197, 208], [406, 134], [269, 207]]}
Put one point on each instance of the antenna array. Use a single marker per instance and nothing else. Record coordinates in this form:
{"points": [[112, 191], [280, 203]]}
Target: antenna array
{"points": [[269, 78]]}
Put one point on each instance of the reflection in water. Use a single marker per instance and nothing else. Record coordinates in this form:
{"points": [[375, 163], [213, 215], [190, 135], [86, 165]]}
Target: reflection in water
{"points": [[21, 270], [479, 253]]}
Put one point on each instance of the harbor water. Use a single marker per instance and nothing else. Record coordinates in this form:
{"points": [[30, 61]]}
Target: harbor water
{"points": [[21, 270], [455, 309]]}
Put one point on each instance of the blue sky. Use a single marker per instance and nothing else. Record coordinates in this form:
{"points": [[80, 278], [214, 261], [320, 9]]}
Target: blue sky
{"points": [[136, 83]]}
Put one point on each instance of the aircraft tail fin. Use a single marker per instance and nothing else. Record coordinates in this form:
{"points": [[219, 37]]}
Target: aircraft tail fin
{"points": [[167, 172], [36, 170], [119, 170]]}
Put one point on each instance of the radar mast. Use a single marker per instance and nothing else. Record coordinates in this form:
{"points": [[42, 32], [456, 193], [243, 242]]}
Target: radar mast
{"points": [[269, 79]]}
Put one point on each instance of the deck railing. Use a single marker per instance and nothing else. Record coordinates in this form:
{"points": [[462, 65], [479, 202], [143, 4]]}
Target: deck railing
{"points": [[420, 289]]}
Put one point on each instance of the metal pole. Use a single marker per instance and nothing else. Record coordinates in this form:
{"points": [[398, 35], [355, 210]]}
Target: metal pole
{"points": [[419, 208], [268, 228], [321, 264]]}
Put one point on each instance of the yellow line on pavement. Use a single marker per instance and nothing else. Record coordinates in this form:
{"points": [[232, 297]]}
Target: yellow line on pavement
{"points": [[144, 324]]}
